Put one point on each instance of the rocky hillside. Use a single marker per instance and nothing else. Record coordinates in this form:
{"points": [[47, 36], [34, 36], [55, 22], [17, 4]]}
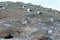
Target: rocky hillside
{"points": [[20, 21]]}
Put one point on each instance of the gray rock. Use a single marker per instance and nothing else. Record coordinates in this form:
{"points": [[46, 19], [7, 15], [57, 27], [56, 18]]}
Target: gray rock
{"points": [[25, 21], [51, 19], [39, 12], [49, 31], [13, 21], [6, 25], [24, 6], [29, 10]]}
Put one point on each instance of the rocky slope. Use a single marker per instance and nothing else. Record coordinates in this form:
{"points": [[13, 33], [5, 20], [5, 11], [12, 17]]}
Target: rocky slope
{"points": [[19, 21]]}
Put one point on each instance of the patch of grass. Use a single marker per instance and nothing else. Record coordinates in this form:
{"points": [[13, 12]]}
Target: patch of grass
{"points": [[32, 14]]}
